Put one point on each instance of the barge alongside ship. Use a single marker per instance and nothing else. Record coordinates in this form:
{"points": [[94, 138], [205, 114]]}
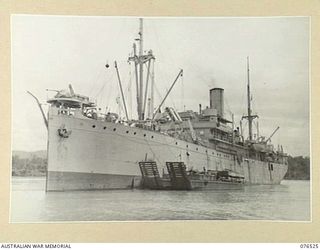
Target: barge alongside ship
{"points": [[88, 150], [178, 178]]}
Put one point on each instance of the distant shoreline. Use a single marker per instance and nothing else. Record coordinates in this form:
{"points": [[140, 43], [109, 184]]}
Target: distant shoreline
{"points": [[34, 164]]}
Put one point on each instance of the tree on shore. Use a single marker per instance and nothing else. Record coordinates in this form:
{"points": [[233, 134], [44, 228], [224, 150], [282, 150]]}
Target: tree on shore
{"points": [[298, 168], [33, 166], [36, 165]]}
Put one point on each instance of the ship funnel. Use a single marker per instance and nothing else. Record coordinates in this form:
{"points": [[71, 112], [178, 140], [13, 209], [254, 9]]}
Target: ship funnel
{"points": [[217, 100]]}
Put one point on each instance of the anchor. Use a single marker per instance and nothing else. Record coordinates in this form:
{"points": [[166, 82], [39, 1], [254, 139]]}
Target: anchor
{"points": [[63, 132]]}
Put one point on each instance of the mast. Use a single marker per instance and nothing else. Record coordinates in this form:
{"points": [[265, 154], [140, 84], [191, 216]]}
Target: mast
{"points": [[152, 92], [120, 85], [232, 127], [140, 69], [139, 61], [249, 101], [250, 117], [134, 58]]}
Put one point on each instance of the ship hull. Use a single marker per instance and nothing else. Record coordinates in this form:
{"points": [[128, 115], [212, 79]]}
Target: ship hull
{"points": [[105, 155], [62, 181]]}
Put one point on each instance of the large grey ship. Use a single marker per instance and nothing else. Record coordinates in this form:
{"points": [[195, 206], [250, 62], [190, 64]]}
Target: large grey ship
{"points": [[88, 150]]}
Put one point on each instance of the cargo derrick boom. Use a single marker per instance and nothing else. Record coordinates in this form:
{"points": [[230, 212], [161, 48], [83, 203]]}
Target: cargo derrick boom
{"points": [[203, 141]]}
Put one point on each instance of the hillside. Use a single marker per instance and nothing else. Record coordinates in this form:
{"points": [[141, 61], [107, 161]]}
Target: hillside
{"points": [[29, 163], [299, 168], [25, 154]]}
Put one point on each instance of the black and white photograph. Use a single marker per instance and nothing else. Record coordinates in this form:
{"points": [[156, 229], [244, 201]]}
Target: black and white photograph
{"points": [[160, 119]]}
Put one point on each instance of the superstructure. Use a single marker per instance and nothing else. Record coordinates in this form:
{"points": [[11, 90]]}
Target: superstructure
{"points": [[89, 150]]}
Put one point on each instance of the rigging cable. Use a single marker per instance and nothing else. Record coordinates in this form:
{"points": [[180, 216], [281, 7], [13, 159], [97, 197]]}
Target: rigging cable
{"points": [[109, 92], [115, 38], [95, 81], [166, 64], [100, 91]]}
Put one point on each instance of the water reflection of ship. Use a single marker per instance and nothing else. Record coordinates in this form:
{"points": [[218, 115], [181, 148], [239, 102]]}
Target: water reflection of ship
{"points": [[88, 149]]}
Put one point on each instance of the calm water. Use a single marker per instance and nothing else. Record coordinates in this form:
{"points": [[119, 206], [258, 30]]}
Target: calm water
{"points": [[289, 201]]}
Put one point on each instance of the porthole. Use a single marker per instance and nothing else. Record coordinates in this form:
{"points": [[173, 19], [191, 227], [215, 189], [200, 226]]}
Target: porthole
{"points": [[176, 143], [104, 127], [144, 135], [187, 146], [127, 131], [93, 126], [114, 129], [152, 136], [197, 149], [135, 133]]}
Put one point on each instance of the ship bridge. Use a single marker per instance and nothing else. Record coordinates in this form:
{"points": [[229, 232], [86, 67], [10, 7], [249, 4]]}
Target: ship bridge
{"points": [[68, 103], [69, 99]]}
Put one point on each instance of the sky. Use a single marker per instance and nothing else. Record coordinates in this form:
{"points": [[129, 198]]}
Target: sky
{"points": [[50, 52]]}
